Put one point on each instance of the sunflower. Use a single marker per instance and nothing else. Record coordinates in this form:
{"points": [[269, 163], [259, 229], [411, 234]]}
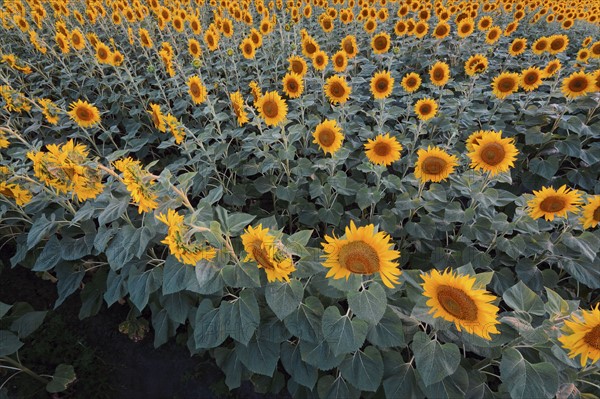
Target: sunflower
{"points": [[474, 139], [540, 45], [493, 35], [434, 164], [411, 82], [477, 63], [328, 135], [453, 298], [421, 29], [581, 336], [157, 117], [485, 23], [262, 248], [558, 44], [577, 84], [194, 48], [583, 55], [116, 58], [237, 103], [255, 91], [492, 153], [196, 89], [320, 60], [382, 85], [103, 54], [362, 252], [511, 27], [145, 38], [77, 40], [211, 38], [517, 46], [400, 28], [337, 89], [426, 109], [248, 49], [256, 38], [63, 43], [20, 195], [309, 47], [139, 183], [531, 78], [441, 30], [439, 73], [50, 110], [272, 108], [505, 84], [370, 25], [383, 150], [293, 85], [339, 61], [349, 45], [591, 213], [465, 27], [84, 113], [380, 43], [297, 65], [549, 203], [595, 50], [552, 67]]}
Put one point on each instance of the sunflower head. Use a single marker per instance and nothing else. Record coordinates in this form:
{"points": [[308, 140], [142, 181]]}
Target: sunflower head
{"points": [[383, 150], [362, 251], [441, 30], [328, 135], [293, 85], [531, 78], [382, 85], [577, 84], [517, 46], [248, 49], [492, 153], [434, 164], [380, 43], [297, 65], [337, 89], [505, 84], [196, 89], [272, 108], [426, 109], [320, 60], [411, 82], [581, 336], [339, 61], [552, 67], [349, 45], [237, 103], [439, 73], [84, 113], [263, 248], [591, 213], [157, 117], [550, 203]]}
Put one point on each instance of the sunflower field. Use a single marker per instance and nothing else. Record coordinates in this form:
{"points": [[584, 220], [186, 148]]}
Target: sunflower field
{"points": [[331, 198]]}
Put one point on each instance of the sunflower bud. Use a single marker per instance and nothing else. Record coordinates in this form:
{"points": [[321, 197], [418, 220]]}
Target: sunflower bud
{"points": [[197, 63], [396, 50], [150, 69], [287, 27], [230, 52]]}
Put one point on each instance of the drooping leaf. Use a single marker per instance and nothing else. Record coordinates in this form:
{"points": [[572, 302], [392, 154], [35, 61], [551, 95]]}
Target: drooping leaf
{"points": [[434, 360]]}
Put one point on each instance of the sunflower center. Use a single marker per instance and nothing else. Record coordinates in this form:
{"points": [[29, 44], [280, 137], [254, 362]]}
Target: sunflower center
{"points": [[382, 149], [553, 204], [596, 214], [7, 192], [438, 74], [326, 137], [556, 44], [433, 165], [382, 85], [337, 89], [84, 114], [425, 109], [493, 34], [540, 46], [310, 48], [270, 109], [465, 28], [297, 67], [155, 119], [359, 257], [517, 46], [531, 78], [292, 86], [493, 154], [248, 49], [578, 84], [592, 338], [102, 53], [262, 257], [411, 82], [456, 302], [381, 43], [195, 89], [505, 85], [349, 48]]}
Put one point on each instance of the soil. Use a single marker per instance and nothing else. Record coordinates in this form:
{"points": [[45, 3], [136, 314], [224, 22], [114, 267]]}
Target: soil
{"points": [[107, 363]]}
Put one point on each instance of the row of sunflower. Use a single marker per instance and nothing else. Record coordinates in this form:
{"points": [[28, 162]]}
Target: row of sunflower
{"points": [[215, 149]]}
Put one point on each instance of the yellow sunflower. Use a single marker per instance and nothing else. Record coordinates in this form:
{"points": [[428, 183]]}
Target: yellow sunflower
{"points": [[145, 38], [591, 213], [237, 103], [349, 45], [63, 43], [505, 84], [297, 65], [583, 55], [383, 150], [50, 110], [453, 298], [439, 73], [293, 85], [196, 89], [157, 117], [272, 108], [441, 30], [194, 48], [328, 135], [477, 63], [20, 195], [77, 39], [309, 47], [411, 82], [552, 67], [262, 248], [103, 53], [434, 164], [380, 43], [558, 44], [337, 89], [493, 35], [577, 84], [595, 50], [339, 61], [517, 46], [474, 139], [84, 113], [382, 85], [320, 60], [426, 109], [363, 252], [492, 153], [531, 78], [550, 203], [465, 27], [581, 336], [248, 49], [540, 45]]}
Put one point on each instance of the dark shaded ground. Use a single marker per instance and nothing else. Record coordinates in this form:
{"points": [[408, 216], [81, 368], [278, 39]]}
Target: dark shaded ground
{"points": [[108, 364]]}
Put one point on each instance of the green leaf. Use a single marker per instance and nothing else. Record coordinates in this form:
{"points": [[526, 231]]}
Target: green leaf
{"points": [[402, 384], [319, 354], [141, 284], [228, 361], [176, 276], [586, 244], [28, 323], [115, 208], [162, 326], [4, 308], [39, 229], [244, 275], [242, 316], [210, 327], [363, 369], [283, 298], [343, 334], [388, 332], [335, 388], [556, 305], [296, 243], [68, 281], [9, 343], [91, 294], [305, 322], [521, 297], [369, 304], [546, 168], [434, 361], [259, 356], [301, 372], [73, 249], [454, 386], [64, 375], [208, 279], [177, 306], [50, 256], [525, 380]]}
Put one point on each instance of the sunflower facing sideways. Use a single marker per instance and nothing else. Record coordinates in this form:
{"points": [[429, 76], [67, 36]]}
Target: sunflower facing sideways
{"points": [[492, 153], [362, 251], [383, 150], [517, 46], [581, 336], [297, 65], [272, 108], [237, 103], [454, 298], [328, 135], [337, 89], [84, 114], [591, 213], [382, 85], [262, 248], [158, 117], [550, 203], [50, 110], [434, 164], [196, 89]]}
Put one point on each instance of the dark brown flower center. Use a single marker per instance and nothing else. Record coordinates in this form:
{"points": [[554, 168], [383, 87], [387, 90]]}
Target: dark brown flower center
{"points": [[438, 74], [517, 46], [493, 154], [457, 303], [441, 30], [553, 204], [84, 114], [531, 78], [248, 48], [382, 85], [381, 43], [578, 84], [493, 34], [382, 149], [292, 86], [262, 257], [349, 47], [465, 28], [297, 67], [433, 165], [270, 109], [411, 82], [326, 137], [592, 338], [541, 45], [337, 90], [310, 48], [596, 214], [425, 109], [359, 257], [339, 61], [506, 85], [557, 44], [195, 89]]}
